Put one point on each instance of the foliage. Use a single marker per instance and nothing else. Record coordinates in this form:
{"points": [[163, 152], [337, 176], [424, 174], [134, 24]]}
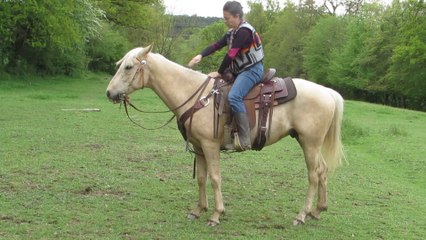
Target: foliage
{"points": [[283, 47], [319, 45], [374, 59], [185, 25], [347, 65], [258, 17], [367, 50], [140, 21], [408, 59], [198, 41], [107, 49], [372, 52], [282, 54], [47, 36]]}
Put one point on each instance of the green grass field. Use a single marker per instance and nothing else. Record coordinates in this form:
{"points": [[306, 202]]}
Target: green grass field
{"points": [[95, 175]]}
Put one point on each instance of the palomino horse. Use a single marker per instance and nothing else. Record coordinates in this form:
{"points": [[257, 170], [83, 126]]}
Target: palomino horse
{"points": [[315, 115]]}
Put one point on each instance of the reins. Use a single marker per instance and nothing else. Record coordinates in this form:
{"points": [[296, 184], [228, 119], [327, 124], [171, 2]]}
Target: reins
{"points": [[125, 102], [200, 90]]}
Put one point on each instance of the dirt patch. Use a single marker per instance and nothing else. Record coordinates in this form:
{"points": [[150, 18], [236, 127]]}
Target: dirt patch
{"points": [[93, 146], [6, 218], [93, 191]]}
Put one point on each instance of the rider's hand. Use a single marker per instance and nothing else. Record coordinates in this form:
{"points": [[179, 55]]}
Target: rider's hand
{"points": [[215, 75], [195, 60]]}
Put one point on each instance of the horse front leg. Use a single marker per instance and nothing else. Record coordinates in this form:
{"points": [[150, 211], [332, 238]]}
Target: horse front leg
{"points": [[212, 155], [202, 204]]}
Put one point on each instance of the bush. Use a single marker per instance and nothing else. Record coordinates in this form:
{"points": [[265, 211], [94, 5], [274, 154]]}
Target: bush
{"points": [[105, 51]]}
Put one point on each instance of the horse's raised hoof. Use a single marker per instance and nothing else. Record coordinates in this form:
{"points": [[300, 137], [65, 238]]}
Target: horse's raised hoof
{"points": [[298, 222], [192, 217], [212, 223]]}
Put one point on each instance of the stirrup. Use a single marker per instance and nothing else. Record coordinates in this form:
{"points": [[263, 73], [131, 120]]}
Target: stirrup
{"points": [[237, 144]]}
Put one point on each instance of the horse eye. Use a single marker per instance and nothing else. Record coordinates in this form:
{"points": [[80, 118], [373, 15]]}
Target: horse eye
{"points": [[129, 67]]}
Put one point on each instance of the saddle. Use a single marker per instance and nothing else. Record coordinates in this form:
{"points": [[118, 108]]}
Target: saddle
{"points": [[272, 91]]}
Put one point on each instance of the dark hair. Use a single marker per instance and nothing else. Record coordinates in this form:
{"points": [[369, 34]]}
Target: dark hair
{"points": [[234, 8]]}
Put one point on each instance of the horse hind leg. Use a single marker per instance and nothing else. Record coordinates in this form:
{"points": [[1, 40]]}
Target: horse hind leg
{"points": [[322, 171], [311, 158]]}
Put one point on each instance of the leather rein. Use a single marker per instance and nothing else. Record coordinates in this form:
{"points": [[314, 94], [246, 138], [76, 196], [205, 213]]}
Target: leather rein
{"points": [[203, 100]]}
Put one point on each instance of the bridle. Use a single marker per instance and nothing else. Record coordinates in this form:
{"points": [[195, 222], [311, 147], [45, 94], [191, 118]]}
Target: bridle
{"points": [[126, 101]]}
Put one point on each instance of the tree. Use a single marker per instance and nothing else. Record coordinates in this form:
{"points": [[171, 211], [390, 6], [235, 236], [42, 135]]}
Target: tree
{"points": [[351, 65], [319, 44], [257, 17], [351, 7], [199, 41], [332, 5], [284, 39], [408, 58], [105, 50], [47, 36], [136, 19], [284, 43]]}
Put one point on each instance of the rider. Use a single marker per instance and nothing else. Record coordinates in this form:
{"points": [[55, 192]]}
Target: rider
{"points": [[243, 60]]}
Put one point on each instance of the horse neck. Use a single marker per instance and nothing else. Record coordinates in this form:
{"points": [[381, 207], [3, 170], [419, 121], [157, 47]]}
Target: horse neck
{"points": [[173, 83]]}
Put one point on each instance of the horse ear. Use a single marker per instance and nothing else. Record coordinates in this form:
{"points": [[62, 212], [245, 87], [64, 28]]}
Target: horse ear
{"points": [[144, 52], [119, 62], [150, 47]]}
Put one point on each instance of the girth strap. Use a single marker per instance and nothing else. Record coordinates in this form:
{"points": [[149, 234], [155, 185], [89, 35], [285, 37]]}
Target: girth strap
{"points": [[188, 114]]}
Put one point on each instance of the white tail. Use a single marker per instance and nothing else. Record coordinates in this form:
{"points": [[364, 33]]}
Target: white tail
{"points": [[333, 148]]}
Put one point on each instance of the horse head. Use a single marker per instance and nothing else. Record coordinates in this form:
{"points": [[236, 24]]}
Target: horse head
{"points": [[130, 76]]}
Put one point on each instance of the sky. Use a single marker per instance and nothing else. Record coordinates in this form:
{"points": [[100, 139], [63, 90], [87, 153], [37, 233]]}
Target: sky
{"points": [[203, 8], [208, 8]]}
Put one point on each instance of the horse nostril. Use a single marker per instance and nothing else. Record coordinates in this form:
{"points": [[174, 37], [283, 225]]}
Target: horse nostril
{"points": [[108, 94]]}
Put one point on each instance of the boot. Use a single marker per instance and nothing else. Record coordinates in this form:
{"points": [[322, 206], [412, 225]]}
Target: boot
{"points": [[243, 141], [227, 139]]}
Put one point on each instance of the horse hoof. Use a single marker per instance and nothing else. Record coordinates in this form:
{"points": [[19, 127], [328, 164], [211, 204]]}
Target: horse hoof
{"points": [[212, 223], [298, 222], [192, 217], [313, 216]]}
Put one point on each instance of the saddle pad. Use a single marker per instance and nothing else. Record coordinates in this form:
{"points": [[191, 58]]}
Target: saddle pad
{"points": [[284, 90], [291, 91]]}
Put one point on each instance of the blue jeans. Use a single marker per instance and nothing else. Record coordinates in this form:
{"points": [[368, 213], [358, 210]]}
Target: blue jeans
{"points": [[243, 83]]}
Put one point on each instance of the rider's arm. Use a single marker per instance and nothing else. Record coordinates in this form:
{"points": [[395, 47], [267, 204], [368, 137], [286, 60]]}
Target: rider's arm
{"points": [[242, 40], [214, 47]]}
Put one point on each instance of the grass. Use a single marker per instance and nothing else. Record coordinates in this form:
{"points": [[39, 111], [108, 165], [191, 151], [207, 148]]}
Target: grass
{"points": [[94, 175]]}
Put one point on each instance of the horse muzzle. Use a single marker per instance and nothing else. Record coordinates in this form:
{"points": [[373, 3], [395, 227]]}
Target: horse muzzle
{"points": [[115, 98]]}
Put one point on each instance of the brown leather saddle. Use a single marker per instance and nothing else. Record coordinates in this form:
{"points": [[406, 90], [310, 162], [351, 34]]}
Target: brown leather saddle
{"points": [[263, 97], [272, 91]]}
